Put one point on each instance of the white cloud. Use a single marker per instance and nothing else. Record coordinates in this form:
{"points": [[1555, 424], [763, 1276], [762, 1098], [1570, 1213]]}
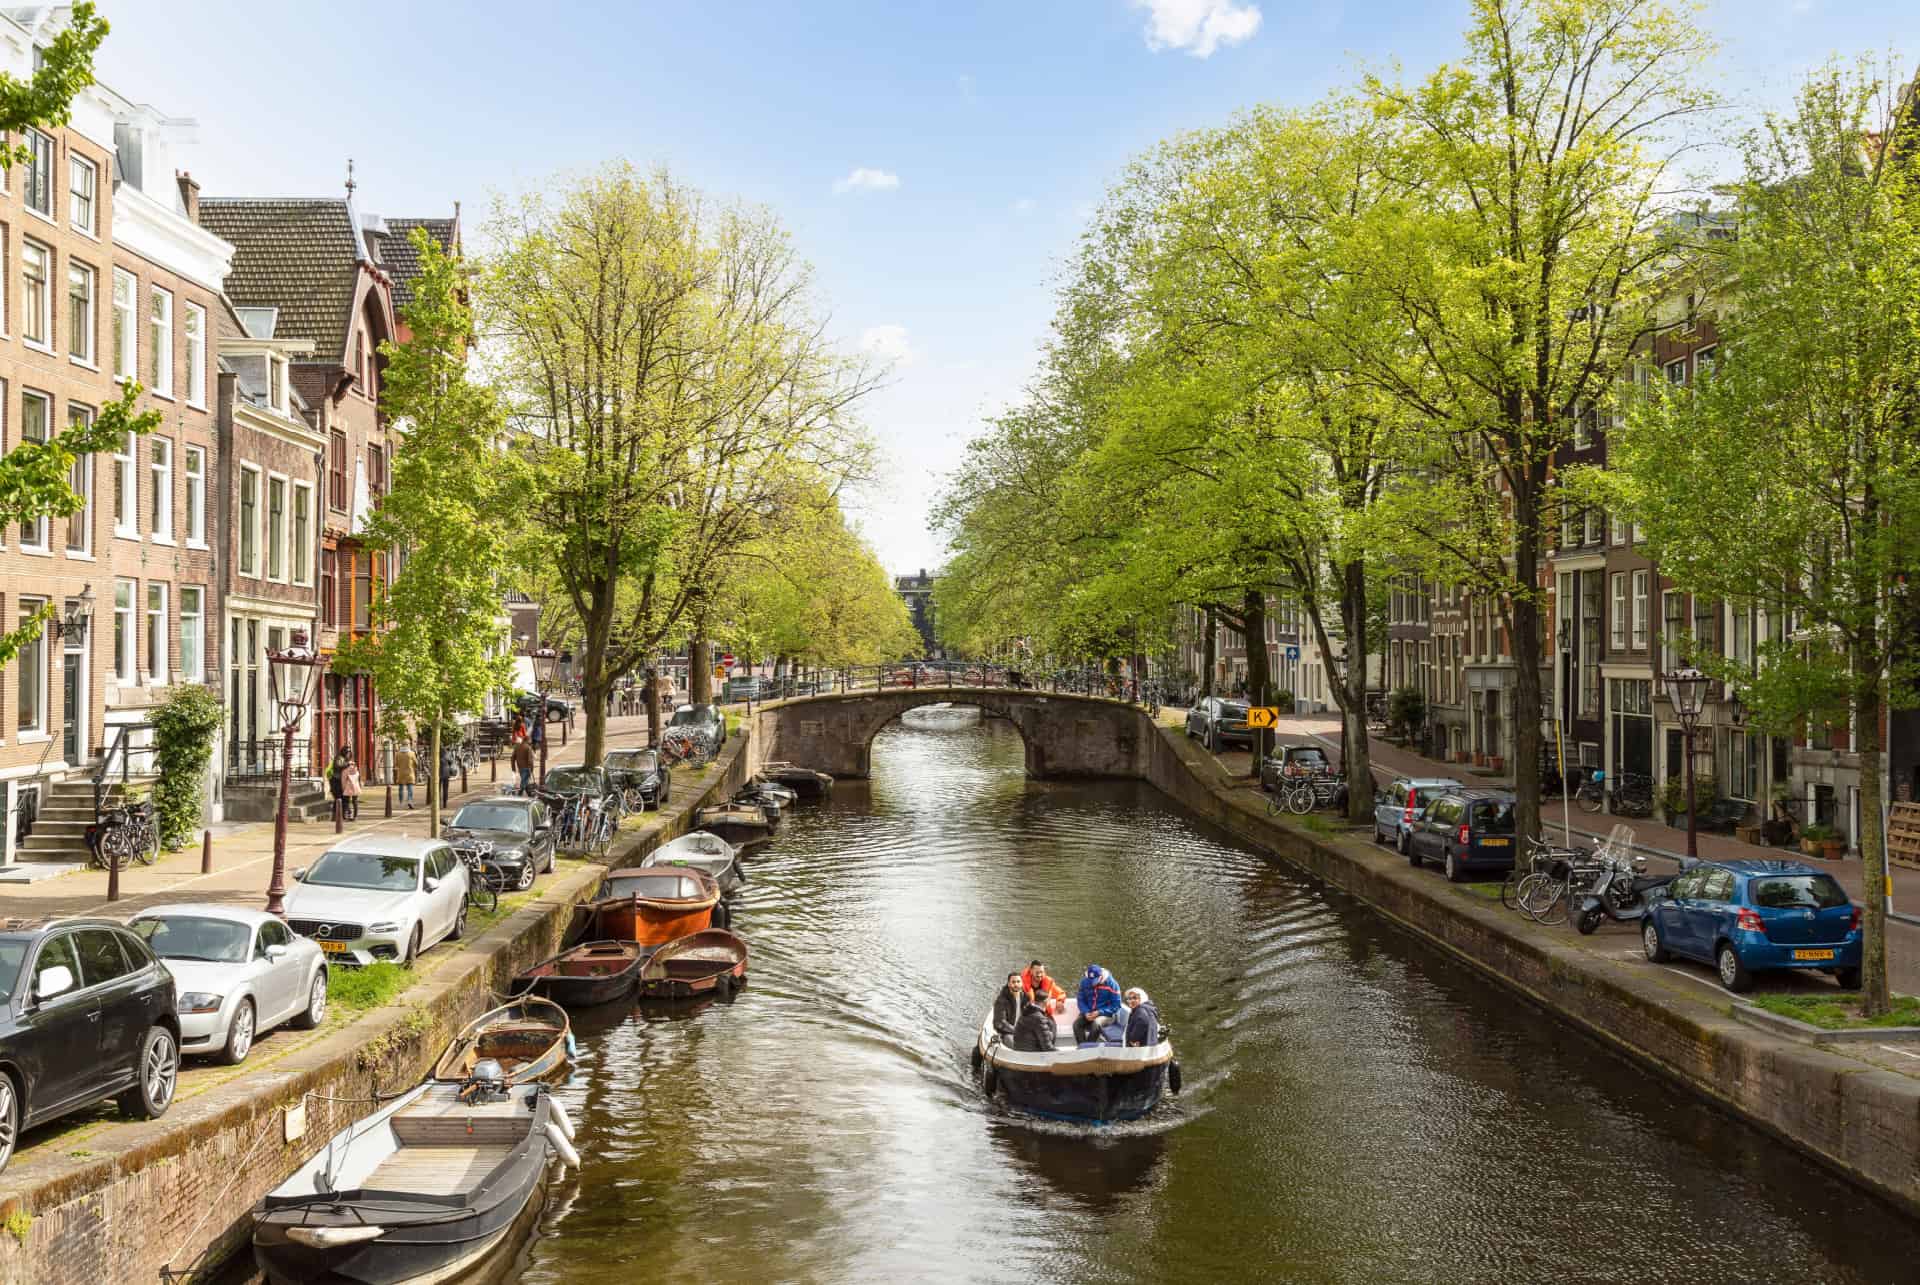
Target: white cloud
{"points": [[889, 343], [866, 180], [1198, 26]]}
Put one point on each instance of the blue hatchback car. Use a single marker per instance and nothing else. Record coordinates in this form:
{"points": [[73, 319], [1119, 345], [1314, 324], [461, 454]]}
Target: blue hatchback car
{"points": [[1745, 917]]}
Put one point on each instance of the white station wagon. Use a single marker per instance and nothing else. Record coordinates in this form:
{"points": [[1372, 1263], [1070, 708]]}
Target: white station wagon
{"points": [[375, 897]]}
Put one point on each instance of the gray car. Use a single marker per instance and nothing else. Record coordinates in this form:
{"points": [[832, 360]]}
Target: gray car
{"points": [[237, 972], [1399, 801], [1220, 722]]}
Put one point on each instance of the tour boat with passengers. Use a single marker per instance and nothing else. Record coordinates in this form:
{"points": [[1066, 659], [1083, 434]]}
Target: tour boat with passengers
{"points": [[1095, 1083]]}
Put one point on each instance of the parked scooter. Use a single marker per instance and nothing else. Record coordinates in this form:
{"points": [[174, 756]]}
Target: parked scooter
{"points": [[1620, 892]]}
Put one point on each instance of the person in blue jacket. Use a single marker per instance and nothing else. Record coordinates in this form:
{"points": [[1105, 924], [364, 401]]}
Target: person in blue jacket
{"points": [[1099, 1001]]}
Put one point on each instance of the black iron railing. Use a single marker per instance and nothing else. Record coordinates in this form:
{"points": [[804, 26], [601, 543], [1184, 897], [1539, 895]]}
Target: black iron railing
{"points": [[260, 760], [119, 760]]}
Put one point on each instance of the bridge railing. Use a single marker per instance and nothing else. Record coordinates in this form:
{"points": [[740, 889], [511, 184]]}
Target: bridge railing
{"points": [[955, 675]]}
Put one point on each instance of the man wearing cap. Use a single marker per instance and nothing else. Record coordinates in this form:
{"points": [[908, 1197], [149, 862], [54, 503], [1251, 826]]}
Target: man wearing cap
{"points": [[1099, 1002]]}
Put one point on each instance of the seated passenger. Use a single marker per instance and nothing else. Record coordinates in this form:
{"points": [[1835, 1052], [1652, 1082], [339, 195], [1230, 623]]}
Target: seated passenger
{"points": [[1042, 989], [1143, 1020], [1099, 1003], [1007, 1005], [1036, 1032]]}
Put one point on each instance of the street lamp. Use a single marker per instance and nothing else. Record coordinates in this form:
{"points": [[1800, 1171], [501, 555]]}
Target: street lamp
{"points": [[74, 619], [1687, 689], [290, 678], [545, 661]]}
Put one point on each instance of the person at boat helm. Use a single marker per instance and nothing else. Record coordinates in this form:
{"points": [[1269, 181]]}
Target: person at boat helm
{"points": [[1099, 1002], [1036, 1032], [1143, 1020], [1042, 989], [1007, 1005]]}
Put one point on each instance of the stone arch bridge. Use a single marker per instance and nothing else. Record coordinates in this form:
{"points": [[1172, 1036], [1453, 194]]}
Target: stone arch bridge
{"points": [[1064, 735]]}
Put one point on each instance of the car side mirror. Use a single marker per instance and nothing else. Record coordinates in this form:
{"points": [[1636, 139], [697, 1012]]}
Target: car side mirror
{"points": [[431, 884], [300, 875], [276, 953], [55, 980]]}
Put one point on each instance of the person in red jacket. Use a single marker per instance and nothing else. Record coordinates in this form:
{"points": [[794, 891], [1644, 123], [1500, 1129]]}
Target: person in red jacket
{"points": [[1042, 989]]}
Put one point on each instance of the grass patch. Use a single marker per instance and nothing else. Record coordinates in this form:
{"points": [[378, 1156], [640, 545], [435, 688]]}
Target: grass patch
{"points": [[359, 989], [1484, 891], [19, 1223], [1323, 824], [1838, 1012]]}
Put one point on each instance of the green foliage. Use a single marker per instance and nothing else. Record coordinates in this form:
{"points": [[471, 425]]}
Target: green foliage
{"points": [[358, 989], [19, 1224], [1839, 1012], [1407, 710], [46, 99], [184, 727]]}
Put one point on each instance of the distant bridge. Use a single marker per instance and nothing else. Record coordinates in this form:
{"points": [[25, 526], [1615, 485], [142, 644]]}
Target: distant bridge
{"points": [[1065, 735]]}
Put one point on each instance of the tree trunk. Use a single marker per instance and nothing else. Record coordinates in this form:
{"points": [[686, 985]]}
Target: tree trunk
{"points": [[433, 784], [1207, 657], [1356, 755], [1867, 706], [1524, 612], [1259, 688], [700, 663], [653, 705]]}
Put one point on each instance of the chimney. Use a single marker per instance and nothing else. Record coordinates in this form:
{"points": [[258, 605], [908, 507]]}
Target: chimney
{"points": [[189, 194]]}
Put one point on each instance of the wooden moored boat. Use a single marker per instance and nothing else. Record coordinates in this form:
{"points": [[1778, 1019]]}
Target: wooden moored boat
{"points": [[738, 823], [703, 851], [421, 1191], [714, 960], [804, 781], [1097, 1084], [529, 1038], [594, 972], [653, 905]]}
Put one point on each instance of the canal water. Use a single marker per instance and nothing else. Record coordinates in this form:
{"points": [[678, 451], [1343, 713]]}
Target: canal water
{"points": [[1357, 1108]]}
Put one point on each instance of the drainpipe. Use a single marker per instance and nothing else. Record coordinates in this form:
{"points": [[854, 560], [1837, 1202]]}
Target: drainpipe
{"points": [[220, 475]]}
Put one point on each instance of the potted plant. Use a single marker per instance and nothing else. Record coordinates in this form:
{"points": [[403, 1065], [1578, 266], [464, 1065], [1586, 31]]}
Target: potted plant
{"points": [[1821, 841], [1496, 762]]}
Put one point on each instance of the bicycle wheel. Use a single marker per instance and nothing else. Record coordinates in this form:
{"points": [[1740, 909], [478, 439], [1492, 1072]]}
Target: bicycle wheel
{"points": [[482, 896], [1588, 798], [149, 850], [1510, 888], [1275, 805], [1546, 902], [603, 841], [1300, 800]]}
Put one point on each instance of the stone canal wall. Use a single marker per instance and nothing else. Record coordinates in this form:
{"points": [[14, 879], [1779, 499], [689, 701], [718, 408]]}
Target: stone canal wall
{"points": [[1857, 1119], [124, 1202]]}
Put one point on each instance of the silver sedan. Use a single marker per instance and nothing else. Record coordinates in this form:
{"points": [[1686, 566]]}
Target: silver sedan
{"points": [[237, 973]]}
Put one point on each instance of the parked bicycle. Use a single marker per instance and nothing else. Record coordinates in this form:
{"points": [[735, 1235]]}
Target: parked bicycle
{"points": [[1560, 875], [1302, 794], [1630, 793], [483, 886], [683, 745], [126, 832]]}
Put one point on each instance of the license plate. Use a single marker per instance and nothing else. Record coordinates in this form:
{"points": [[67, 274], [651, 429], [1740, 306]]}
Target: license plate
{"points": [[333, 947], [1813, 954], [1496, 843]]}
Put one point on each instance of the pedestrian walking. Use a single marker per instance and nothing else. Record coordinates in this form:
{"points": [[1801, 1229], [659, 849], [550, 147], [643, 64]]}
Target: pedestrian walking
{"points": [[523, 764], [449, 768], [336, 781], [406, 770], [350, 788]]}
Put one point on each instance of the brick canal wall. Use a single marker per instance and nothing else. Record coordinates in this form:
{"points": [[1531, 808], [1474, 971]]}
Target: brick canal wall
{"points": [[139, 1197]]}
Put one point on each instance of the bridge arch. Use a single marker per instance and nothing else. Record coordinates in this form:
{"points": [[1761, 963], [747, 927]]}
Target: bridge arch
{"points": [[1064, 735]]}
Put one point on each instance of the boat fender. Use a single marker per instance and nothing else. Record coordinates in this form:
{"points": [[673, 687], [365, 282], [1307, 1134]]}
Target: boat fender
{"points": [[978, 1059], [564, 1149], [573, 1048], [1173, 1076], [990, 1081], [558, 1114], [723, 986]]}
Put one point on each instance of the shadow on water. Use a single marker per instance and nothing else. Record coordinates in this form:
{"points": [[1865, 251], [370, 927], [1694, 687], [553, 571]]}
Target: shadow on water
{"points": [[1093, 1170]]}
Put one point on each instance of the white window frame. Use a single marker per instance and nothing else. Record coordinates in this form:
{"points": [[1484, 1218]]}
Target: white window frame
{"points": [[36, 731], [300, 548], [41, 542], [1641, 582], [156, 634], [82, 480], [160, 330], [197, 671], [277, 531], [1676, 372], [249, 566], [76, 166], [83, 356], [1617, 604], [126, 525], [126, 324], [35, 158], [1594, 527], [277, 382], [195, 325], [160, 473], [194, 470], [44, 320], [126, 620]]}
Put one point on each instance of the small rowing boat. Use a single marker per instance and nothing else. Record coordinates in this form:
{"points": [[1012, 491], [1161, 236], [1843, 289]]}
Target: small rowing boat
{"points": [[714, 960], [529, 1038], [594, 972], [653, 904], [738, 823], [804, 781], [708, 853]]}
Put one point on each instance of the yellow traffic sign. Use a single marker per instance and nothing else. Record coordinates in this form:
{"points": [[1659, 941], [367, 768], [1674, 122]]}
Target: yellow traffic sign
{"points": [[1263, 716]]}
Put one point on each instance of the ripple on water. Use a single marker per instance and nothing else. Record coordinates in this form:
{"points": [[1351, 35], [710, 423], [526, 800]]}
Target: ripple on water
{"points": [[1356, 1108]]}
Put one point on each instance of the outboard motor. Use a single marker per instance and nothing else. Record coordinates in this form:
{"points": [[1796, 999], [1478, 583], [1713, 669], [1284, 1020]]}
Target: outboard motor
{"points": [[487, 1082]]}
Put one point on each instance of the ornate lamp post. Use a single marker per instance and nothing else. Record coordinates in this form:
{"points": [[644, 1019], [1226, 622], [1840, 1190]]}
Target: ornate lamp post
{"points": [[1687, 689], [290, 677], [545, 661]]}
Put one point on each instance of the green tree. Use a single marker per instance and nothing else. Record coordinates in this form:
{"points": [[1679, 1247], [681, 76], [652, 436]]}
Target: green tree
{"points": [[439, 647], [1789, 477], [184, 726]]}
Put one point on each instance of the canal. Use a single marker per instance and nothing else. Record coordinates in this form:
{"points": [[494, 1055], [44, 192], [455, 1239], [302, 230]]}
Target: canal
{"points": [[1357, 1107]]}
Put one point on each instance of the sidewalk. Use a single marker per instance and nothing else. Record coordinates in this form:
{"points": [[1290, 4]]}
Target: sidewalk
{"points": [[243, 853]]}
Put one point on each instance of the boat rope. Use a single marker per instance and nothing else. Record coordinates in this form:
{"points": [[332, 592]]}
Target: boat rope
{"points": [[170, 1273]]}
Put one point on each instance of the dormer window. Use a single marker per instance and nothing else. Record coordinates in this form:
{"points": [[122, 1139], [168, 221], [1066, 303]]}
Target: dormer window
{"points": [[277, 383]]}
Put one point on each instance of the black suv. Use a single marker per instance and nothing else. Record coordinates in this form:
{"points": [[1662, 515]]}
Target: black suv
{"points": [[1469, 831], [86, 1012]]}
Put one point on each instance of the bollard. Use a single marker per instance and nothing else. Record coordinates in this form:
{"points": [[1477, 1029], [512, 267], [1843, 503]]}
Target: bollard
{"points": [[493, 765], [389, 811], [339, 815], [113, 877], [206, 852], [563, 732], [463, 778]]}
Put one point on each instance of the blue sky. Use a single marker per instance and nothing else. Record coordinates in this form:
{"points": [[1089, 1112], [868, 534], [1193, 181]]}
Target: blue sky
{"points": [[985, 131]]}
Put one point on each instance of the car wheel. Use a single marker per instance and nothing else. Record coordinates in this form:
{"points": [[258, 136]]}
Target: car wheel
{"points": [[9, 1118], [1406, 850], [1454, 873], [316, 1010], [525, 881], [1733, 974], [1650, 942], [239, 1035], [159, 1071], [459, 928], [1849, 978], [413, 947], [553, 858], [1405, 844]]}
